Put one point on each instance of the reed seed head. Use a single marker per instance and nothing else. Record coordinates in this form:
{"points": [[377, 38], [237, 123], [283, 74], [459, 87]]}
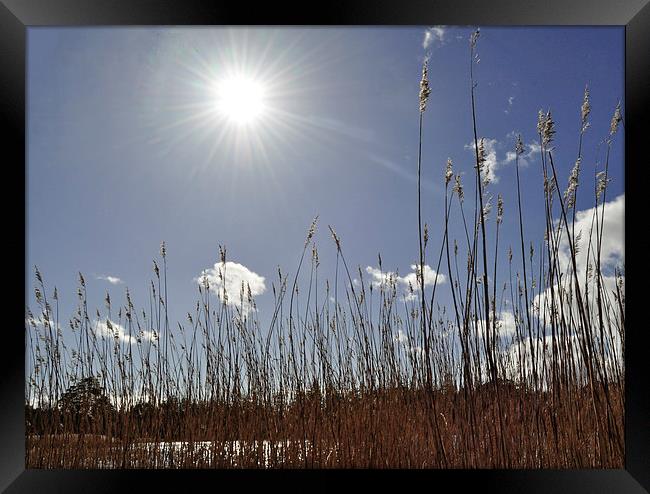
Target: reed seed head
{"points": [[312, 230], [585, 109], [486, 175], [499, 209], [337, 241], [474, 38], [487, 208], [458, 188], [570, 193], [616, 119], [601, 183], [314, 255], [449, 173], [480, 155], [519, 146], [549, 129], [425, 90], [541, 117]]}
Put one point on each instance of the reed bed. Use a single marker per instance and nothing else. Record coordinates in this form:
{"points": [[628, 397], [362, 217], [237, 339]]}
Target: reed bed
{"points": [[350, 373]]}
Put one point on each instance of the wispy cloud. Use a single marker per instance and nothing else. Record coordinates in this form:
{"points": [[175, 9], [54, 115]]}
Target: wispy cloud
{"points": [[403, 172], [511, 100], [434, 35], [231, 278], [113, 280]]}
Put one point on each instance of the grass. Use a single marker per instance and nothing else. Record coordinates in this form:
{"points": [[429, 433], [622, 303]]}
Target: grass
{"points": [[368, 380]]}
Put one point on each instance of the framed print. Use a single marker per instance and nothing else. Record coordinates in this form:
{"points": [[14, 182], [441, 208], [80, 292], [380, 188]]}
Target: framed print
{"points": [[387, 240]]}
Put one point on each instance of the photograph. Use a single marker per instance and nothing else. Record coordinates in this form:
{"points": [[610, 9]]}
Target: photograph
{"points": [[302, 247]]}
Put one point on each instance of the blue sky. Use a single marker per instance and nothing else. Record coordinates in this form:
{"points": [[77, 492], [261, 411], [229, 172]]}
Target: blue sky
{"points": [[126, 149]]}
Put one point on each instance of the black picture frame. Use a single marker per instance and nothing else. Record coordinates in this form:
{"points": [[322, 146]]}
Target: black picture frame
{"points": [[17, 15]]}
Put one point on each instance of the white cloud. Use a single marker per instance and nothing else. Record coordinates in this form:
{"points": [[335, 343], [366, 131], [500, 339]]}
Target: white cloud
{"points": [[612, 256], [612, 247], [410, 280], [491, 164], [403, 339], [40, 321], [530, 151], [409, 283], [505, 328], [429, 277], [511, 100], [113, 280], [519, 357], [613, 238], [379, 277], [111, 329], [506, 324], [433, 34], [492, 161], [233, 277]]}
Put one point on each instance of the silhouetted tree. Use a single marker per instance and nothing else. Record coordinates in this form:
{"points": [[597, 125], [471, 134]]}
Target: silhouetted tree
{"points": [[85, 407]]}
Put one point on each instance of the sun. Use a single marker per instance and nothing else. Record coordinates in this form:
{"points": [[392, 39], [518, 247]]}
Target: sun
{"points": [[241, 100]]}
